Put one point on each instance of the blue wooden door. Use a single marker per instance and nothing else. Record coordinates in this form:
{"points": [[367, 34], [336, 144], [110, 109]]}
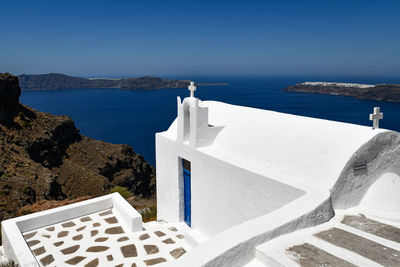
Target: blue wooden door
{"points": [[187, 191]]}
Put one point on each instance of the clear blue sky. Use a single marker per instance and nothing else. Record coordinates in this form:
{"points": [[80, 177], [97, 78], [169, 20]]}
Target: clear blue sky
{"points": [[129, 38]]}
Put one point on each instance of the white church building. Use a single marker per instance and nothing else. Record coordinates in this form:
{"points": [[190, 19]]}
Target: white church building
{"points": [[238, 186]]}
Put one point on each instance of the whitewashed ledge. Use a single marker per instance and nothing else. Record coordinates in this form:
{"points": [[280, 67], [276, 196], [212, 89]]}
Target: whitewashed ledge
{"points": [[15, 247]]}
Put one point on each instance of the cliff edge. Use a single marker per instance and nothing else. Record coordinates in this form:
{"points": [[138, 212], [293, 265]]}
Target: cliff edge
{"points": [[44, 157]]}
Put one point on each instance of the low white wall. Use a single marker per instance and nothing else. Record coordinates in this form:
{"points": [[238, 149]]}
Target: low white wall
{"points": [[15, 246], [378, 156], [223, 195], [384, 194]]}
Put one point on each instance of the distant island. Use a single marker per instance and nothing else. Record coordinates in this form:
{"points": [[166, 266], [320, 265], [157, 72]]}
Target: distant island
{"points": [[381, 92], [57, 81]]}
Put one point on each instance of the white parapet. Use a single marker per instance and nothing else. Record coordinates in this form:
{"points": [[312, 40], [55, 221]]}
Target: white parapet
{"points": [[15, 247]]}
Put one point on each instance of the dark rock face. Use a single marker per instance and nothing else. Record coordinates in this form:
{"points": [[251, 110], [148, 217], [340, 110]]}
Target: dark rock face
{"points": [[56, 81], [382, 92], [43, 157], [49, 148], [9, 95]]}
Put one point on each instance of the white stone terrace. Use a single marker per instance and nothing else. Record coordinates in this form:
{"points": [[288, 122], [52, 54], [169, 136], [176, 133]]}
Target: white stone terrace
{"points": [[98, 239], [105, 237]]}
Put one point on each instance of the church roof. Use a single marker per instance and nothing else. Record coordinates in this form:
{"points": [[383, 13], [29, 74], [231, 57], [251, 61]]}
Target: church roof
{"points": [[311, 150]]}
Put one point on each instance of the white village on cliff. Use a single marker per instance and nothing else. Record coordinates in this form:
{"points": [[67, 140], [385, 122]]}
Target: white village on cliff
{"points": [[237, 186]]}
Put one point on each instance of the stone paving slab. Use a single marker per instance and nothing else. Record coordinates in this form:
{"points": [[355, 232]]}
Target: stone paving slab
{"points": [[100, 239], [369, 249], [307, 255], [373, 227]]}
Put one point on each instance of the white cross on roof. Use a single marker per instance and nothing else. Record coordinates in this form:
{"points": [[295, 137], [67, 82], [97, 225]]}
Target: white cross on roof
{"points": [[375, 117], [192, 88]]}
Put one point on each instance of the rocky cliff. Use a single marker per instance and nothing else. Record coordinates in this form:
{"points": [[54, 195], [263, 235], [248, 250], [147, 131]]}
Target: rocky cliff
{"points": [[44, 157], [56, 81], [9, 92], [383, 92]]}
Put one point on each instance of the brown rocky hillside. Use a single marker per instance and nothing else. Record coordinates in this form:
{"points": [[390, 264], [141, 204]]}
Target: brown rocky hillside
{"points": [[44, 157]]}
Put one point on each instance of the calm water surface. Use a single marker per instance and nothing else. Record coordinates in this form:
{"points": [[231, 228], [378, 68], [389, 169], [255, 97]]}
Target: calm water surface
{"points": [[133, 117]]}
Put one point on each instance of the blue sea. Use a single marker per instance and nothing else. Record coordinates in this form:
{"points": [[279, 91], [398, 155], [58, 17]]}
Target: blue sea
{"points": [[133, 117]]}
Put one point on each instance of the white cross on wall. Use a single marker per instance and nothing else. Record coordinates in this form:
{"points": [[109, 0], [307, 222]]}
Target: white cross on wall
{"points": [[375, 117], [192, 88]]}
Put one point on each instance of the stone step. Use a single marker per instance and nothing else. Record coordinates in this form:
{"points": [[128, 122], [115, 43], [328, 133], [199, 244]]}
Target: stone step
{"points": [[364, 224], [311, 252], [366, 235], [192, 237], [341, 253], [369, 249], [347, 240], [311, 256]]}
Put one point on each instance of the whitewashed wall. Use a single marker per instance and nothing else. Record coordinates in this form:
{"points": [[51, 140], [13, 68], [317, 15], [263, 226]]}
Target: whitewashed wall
{"points": [[223, 195], [378, 157]]}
